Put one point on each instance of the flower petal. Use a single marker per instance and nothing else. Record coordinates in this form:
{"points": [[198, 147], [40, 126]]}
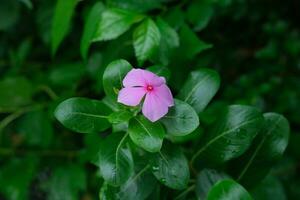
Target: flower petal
{"points": [[154, 108], [152, 79], [164, 94], [131, 96], [134, 78]]}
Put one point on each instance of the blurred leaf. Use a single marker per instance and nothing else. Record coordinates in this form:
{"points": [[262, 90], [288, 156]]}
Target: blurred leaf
{"points": [[266, 149], [199, 14], [115, 159], [83, 115], [228, 189], [181, 119], [200, 88], [146, 39], [61, 22], [146, 134], [114, 22], [269, 189], [113, 77], [66, 74], [135, 5], [66, 182], [170, 167], [270, 51], [27, 3], [206, 180], [15, 92], [108, 192], [36, 128], [169, 40], [9, 14], [90, 28], [231, 135], [15, 177]]}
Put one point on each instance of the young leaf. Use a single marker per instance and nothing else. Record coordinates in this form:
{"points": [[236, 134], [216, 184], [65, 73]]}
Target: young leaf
{"points": [[114, 22], [115, 159], [231, 134], [200, 88], [265, 150], [61, 22], [206, 180], [146, 39], [83, 115], [146, 134], [170, 167], [113, 77], [228, 189], [90, 28], [181, 119]]}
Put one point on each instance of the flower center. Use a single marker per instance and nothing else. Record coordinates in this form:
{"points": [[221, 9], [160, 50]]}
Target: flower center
{"points": [[149, 88]]}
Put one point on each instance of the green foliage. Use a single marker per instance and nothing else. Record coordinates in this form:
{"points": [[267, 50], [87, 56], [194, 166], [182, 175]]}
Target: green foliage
{"points": [[62, 64]]}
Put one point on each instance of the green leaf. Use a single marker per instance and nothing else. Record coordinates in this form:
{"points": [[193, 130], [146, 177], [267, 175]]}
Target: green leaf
{"points": [[206, 180], [146, 134], [181, 119], [146, 39], [120, 116], [61, 22], [113, 77], [9, 14], [267, 148], [228, 190], [190, 44], [114, 22], [108, 192], [231, 135], [15, 92], [83, 115], [170, 167], [269, 189], [90, 28], [140, 185], [36, 129], [199, 14], [169, 41], [135, 5], [66, 182], [115, 159], [200, 88]]}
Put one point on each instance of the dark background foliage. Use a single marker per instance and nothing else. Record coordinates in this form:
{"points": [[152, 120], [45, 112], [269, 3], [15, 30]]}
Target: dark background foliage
{"points": [[256, 50]]}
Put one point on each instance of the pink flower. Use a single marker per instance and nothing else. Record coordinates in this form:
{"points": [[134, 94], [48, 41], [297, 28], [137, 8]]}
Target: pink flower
{"points": [[139, 83]]}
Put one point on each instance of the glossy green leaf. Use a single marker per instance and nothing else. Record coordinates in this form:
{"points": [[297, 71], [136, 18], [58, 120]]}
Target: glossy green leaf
{"points": [[206, 180], [146, 134], [90, 28], [200, 87], [113, 77], [114, 22], [169, 40], [267, 148], [120, 116], [140, 185], [228, 190], [231, 135], [83, 115], [15, 92], [115, 159], [160, 71], [61, 22], [181, 119], [146, 39], [170, 167], [269, 189]]}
